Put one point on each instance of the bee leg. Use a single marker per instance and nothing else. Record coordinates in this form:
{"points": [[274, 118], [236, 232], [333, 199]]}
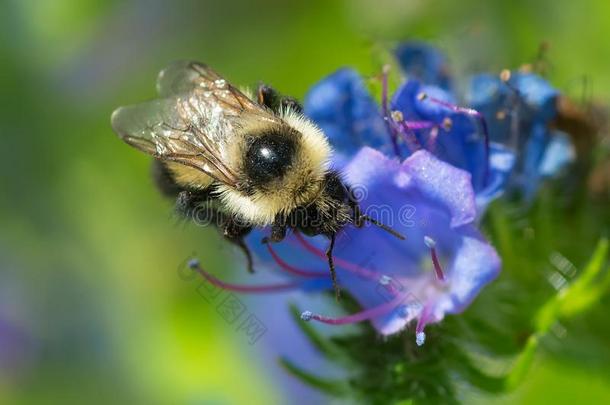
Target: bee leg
{"points": [[267, 96], [191, 205], [235, 233], [272, 99], [353, 203], [278, 232], [331, 266], [239, 242]]}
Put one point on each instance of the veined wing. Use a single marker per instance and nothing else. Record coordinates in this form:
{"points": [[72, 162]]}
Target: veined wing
{"points": [[193, 124]]}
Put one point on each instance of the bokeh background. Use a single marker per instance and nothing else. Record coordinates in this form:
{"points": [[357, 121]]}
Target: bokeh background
{"points": [[92, 303]]}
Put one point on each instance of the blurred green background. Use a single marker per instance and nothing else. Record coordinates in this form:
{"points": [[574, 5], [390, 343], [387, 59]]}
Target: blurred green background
{"points": [[92, 307]]}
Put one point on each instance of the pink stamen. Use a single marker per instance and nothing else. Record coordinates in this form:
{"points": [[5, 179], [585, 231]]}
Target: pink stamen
{"points": [[354, 268], [291, 269], [432, 139], [437, 266], [194, 265], [473, 113], [358, 316], [420, 335], [431, 243], [405, 129], [419, 124]]}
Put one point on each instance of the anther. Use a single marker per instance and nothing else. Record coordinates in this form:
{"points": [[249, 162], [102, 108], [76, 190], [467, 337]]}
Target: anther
{"points": [[505, 75], [397, 116], [420, 338], [306, 316], [385, 280], [447, 124]]}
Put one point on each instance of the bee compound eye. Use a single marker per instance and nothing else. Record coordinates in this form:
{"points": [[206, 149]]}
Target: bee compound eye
{"points": [[269, 157]]}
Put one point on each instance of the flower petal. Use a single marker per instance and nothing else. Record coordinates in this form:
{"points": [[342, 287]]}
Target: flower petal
{"points": [[423, 198], [462, 145], [518, 114], [342, 107], [444, 183], [424, 62], [559, 153], [501, 164]]}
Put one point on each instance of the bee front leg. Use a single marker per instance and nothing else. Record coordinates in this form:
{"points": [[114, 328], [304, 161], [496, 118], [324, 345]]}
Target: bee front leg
{"points": [[272, 99], [235, 233], [199, 207], [278, 232], [331, 265]]}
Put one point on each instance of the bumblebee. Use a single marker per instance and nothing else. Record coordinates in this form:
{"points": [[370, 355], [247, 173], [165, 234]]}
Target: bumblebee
{"points": [[251, 160]]}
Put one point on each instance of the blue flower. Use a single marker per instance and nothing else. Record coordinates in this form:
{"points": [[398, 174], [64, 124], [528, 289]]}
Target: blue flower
{"points": [[349, 115], [425, 63], [439, 269], [519, 109], [441, 266], [457, 137], [342, 106], [431, 190]]}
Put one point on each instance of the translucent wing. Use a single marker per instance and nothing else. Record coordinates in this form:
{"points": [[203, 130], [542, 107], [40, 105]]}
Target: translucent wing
{"points": [[193, 123], [185, 76]]}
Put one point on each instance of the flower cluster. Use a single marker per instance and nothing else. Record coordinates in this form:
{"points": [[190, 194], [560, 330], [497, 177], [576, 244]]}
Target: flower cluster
{"points": [[517, 110], [427, 167], [520, 107], [439, 269], [419, 116]]}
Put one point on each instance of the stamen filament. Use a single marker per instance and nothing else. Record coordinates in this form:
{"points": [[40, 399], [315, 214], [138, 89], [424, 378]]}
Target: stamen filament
{"points": [[437, 266], [473, 113], [291, 269], [358, 316], [419, 124], [420, 335], [431, 243], [432, 139], [354, 268], [404, 129], [194, 265], [386, 111]]}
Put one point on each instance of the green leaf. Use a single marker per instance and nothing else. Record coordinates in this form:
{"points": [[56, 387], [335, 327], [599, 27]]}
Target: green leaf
{"points": [[580, 295], [335, 388], [588, 288], [574, 299], [522, 364], [475, 376]]}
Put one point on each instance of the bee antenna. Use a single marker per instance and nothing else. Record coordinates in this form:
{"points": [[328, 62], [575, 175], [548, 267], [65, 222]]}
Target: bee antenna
{"points": [[383, 226]]}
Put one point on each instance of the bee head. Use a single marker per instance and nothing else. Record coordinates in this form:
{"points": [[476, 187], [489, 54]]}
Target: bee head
{"points": [[328, 212]]}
